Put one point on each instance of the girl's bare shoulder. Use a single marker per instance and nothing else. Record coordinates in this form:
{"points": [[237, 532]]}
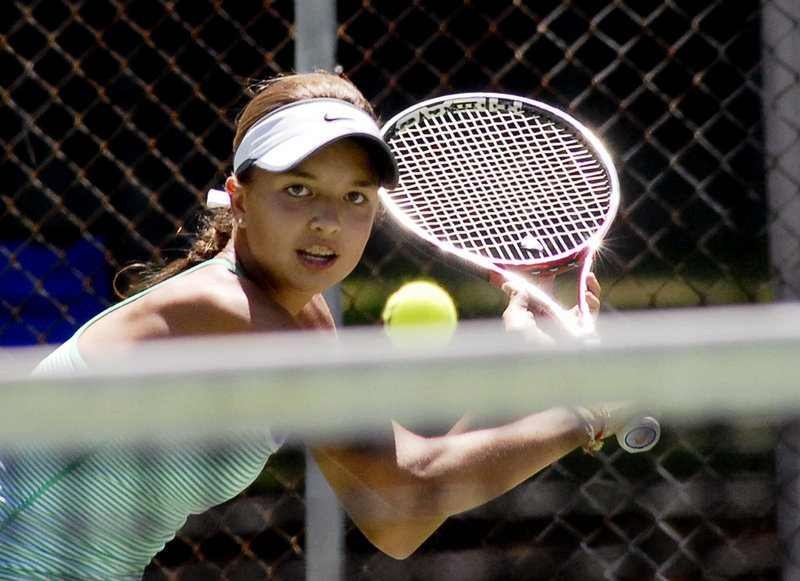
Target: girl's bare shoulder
{"points": [[216, 300], [210, 300]]}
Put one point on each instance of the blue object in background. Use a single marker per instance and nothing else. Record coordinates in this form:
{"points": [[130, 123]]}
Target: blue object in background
{"points": [[81, 284]]}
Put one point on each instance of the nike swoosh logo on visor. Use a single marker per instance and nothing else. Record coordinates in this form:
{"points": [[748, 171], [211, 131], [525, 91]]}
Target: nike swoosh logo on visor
{"points": [[329, 118]]}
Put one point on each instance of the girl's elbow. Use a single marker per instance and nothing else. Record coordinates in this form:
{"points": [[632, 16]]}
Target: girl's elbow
{"points": [[401, 539], [399, 551]]}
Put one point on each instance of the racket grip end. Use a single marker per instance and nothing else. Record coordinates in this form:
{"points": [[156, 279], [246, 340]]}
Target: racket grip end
{"points": [[640, 434]]}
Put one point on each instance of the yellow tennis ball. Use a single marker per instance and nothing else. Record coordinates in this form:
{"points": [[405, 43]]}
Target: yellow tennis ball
{"points": [[420, 313]]}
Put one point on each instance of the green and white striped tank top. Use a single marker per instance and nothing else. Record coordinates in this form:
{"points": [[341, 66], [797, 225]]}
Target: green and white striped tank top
{"points": [[104, 513]]}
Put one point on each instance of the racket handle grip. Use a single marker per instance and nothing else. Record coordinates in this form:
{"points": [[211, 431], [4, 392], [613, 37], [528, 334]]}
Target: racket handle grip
{"points": [[640, 434]]}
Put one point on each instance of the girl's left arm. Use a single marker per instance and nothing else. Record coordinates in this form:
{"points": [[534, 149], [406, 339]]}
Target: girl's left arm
{"points": [[399, 495]]}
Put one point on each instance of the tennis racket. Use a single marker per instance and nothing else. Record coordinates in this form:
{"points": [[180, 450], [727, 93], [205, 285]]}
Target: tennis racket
{"points": [[509, 185], [506, 184]]}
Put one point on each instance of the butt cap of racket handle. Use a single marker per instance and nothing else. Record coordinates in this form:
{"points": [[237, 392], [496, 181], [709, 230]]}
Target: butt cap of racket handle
{"points": [[640, 434]]}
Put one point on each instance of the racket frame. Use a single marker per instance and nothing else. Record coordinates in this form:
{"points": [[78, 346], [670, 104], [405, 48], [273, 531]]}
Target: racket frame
{"points": [[581, 255]]}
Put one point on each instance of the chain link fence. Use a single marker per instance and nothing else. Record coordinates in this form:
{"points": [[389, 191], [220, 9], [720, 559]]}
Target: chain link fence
{"points": [[117, 116]]}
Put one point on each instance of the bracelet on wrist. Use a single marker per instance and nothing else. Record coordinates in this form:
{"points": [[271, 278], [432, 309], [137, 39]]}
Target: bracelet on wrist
{"points": [[590, 416]]}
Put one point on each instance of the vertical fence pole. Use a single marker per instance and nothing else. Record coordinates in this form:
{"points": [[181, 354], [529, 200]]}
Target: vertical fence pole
{"points": [[781, 102], [324, 548], [780, 29], [315, 48]]}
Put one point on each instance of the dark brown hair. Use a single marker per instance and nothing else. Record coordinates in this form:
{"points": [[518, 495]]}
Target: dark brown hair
{"points": [[216, 226]]}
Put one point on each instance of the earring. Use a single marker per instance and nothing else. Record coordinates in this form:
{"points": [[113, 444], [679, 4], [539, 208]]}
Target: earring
{"points": [[240, 221]]}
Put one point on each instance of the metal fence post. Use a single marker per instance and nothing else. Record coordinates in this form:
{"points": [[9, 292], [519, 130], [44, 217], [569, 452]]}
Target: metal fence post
{"points": [[781, 102], [780, 26]]}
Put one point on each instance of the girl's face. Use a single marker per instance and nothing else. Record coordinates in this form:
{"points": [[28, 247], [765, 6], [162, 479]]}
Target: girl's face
{"points": [[304, 230]]}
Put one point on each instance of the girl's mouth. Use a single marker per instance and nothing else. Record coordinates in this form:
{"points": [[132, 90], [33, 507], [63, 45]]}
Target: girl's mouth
{"points": [[317, 256]]}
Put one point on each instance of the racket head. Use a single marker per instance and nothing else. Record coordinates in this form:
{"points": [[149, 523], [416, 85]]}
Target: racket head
{"points": [[501, 181]]}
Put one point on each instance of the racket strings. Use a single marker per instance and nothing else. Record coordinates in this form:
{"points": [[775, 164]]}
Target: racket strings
{"points": [[511, 187]]}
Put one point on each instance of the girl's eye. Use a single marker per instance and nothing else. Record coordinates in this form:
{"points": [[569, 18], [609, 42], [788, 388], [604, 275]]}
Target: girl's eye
{"points": [[298, 191], [356, 198]]}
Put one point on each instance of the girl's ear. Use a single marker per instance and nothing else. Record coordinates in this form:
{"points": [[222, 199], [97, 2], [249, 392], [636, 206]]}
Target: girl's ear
{"points": [[236, 192]]}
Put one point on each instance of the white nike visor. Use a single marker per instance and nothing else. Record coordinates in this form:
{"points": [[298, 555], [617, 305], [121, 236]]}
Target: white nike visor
{"points": [[292, 133]]}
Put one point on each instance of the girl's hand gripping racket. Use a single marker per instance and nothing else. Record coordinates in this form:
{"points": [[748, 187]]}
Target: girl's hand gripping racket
{"points": [[508, 184]]}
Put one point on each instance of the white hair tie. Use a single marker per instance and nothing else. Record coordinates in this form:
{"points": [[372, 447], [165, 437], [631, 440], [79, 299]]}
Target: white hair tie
{"points": [[218, 199]]}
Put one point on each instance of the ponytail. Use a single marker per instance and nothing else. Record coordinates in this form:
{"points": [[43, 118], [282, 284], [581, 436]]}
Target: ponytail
{"points": [[214, 233]]}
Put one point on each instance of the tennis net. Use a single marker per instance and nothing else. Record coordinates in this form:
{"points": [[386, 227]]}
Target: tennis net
{"points": [[716, 499]]}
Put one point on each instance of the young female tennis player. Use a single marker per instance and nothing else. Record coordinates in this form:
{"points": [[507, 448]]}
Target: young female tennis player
{"points": [[302, 200]]}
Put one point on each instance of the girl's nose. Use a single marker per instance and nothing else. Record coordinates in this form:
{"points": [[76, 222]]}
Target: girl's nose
{"points": [[325, 218]]}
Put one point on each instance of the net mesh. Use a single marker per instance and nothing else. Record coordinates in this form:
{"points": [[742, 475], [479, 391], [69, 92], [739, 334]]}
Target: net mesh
{"points": [[507, 183], [701, 504], [116, 117]]}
